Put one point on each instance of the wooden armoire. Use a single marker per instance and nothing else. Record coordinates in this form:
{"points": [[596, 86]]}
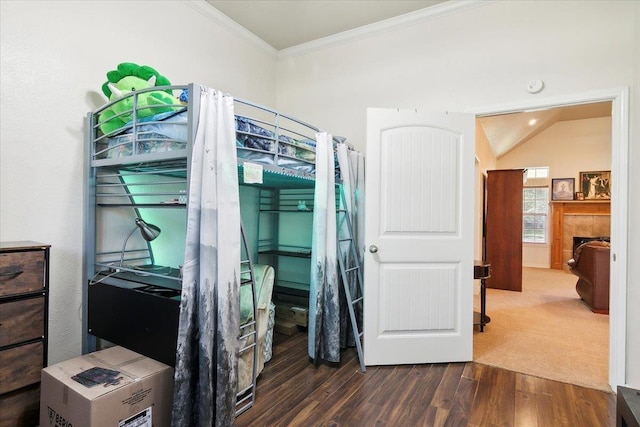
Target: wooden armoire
{"points": [[503, 240]]}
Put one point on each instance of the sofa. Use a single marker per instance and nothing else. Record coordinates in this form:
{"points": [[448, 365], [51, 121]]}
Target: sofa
{"points": [[590, 263]]}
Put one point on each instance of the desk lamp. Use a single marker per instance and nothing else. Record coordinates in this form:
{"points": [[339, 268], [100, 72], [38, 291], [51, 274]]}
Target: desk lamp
{"points": [[148, 231]]}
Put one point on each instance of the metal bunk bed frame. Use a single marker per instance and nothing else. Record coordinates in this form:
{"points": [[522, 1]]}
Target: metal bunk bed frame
{"points": [[108, 189]]}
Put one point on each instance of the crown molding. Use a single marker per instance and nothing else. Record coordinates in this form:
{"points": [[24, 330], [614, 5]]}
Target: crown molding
{"points": [[376, 28], [230, 25], [380, 27]]}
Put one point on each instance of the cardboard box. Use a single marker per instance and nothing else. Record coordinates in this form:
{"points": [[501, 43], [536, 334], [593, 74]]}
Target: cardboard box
{"points": [[292, 313], [285, 327], [113, 387]]}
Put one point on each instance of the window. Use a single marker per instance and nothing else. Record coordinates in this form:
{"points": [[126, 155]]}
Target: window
{"points": [[535, 208], [538, 172]]}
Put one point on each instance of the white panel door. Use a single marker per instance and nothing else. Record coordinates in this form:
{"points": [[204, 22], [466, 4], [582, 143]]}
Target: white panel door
{"points": [[419, 235]]}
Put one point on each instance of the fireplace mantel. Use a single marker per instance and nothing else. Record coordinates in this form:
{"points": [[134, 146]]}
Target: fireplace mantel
{"points": [[560, 209]]}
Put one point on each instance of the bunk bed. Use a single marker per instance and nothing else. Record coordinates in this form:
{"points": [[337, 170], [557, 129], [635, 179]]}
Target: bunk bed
{"points": [[141, 172]]}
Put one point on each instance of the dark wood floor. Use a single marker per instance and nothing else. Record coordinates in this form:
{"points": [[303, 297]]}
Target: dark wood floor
{"points": [[293, 392]]}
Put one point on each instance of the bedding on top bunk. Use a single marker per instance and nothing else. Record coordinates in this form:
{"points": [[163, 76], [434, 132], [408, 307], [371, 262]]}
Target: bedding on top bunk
{"points": [[253, 141], [156, 134], [168, 131]]}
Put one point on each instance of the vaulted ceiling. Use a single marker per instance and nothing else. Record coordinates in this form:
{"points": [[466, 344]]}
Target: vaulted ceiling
{"points": [[507, 131]]}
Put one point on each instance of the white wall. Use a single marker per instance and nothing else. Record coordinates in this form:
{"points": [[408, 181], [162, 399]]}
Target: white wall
{"points": [[485, 160], [567, 148], [536, 255], [471, 60], [55, 55]]}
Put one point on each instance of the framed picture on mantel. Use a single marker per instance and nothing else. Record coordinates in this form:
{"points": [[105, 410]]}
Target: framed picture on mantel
{"points": [[596, 185], [562, 188]]}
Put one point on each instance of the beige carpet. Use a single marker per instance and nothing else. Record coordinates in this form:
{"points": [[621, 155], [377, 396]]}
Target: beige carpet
{"points": [[545, 331]]}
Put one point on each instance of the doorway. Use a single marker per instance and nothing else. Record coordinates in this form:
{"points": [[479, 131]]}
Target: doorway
{"points": [[619, 221]]}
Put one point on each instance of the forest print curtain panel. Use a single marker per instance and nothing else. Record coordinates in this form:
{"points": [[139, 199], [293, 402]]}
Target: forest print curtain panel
{"points": [[324, 300], [206, 357]]}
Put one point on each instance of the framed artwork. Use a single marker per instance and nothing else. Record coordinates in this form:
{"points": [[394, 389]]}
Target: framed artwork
{"points": [[579, 195], [562, 188], [596, 185]]}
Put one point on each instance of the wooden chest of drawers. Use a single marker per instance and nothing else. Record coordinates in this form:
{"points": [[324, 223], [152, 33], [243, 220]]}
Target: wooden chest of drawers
{"points": [[24, 296]]}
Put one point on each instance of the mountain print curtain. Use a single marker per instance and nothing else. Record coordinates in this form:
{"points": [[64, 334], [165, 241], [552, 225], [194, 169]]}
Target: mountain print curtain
{"points": [[324, 295], [206, 355]]}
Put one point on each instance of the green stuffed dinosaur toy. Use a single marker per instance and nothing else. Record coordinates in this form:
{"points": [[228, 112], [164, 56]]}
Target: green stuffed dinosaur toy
{"points": [[129, 77]]}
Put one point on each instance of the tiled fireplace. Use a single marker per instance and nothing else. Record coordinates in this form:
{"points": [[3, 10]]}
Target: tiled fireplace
{"points": [[577, 218]]}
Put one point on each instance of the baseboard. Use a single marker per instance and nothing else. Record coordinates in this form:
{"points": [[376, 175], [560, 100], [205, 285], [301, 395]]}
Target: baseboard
{"points": [[537, 266]]}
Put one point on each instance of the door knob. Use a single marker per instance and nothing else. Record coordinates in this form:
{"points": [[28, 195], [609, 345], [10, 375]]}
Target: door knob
{"points": [[373, 249]]}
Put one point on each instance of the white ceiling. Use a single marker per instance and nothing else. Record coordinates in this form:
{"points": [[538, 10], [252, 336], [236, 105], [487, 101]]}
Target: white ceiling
{"points": [[287, 23]]}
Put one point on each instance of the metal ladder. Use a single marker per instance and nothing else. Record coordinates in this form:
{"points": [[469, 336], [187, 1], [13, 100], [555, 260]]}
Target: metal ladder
{"points": [[246, 398], [350, 267]]}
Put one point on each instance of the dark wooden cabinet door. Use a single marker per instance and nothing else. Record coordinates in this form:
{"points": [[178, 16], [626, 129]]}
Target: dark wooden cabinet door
{"points": [[504, 228]]}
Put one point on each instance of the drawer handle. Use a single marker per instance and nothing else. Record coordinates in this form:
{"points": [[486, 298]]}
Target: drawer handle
{"points": [[11, 273]]}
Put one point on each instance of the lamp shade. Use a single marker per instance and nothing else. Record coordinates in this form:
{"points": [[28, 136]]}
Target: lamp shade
{"points": [[149, 231]]}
